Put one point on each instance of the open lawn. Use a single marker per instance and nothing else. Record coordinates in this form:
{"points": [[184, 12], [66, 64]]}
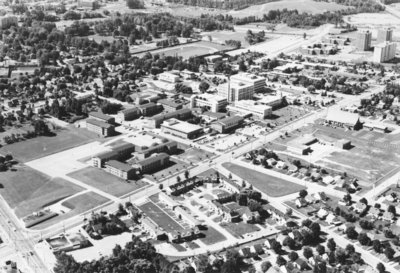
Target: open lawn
{"points": [[42, 146], [105, 181], [270, 185], [194, 155], [27, 190], [212, 236], [77, 205], [160, 217], [240, 229]]}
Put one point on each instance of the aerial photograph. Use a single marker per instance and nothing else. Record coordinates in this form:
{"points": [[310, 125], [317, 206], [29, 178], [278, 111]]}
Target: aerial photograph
{"points": [[199, 136]]}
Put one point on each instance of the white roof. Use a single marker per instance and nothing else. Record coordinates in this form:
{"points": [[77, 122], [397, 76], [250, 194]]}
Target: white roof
{"points": [[342, 117]]}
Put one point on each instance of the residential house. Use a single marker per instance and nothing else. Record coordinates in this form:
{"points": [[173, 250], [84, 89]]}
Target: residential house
{"points": [[245, 252], [360, 207], [257, 249], [251, 216], [322, 213], [388, 216], [269, 243], [374, 212], [300, 202], [332, 219], [301, 264]]}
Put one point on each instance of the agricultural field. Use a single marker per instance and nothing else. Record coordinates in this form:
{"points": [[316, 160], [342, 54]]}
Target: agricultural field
{"points": [[105, 181], [27, 190], [272, 186], [45, 145]]}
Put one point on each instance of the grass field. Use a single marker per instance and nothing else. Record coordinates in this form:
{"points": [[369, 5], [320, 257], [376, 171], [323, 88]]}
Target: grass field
{"points": [[106, 182], [160, 217], [212, 236], [272, 186], [78, 204], [27, 190], [239, 229], [194, 155], [42, 146]]}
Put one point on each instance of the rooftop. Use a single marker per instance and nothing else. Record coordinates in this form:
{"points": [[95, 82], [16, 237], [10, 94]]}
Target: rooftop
{"points": [[99, 115], [169, 103], [342, 117], [119, 165], [153, 158], [181, 126], [171, 114], [99, 123]]}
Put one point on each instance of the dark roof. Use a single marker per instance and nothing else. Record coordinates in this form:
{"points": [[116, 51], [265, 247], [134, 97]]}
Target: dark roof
{"points": [[231, 119], [99, 123], [147, 105], [119, 165], [106, 155], [130, 110], [172, 114], [216, 115], [169, 103], [123, 147], [154, 158], [99, 115]]}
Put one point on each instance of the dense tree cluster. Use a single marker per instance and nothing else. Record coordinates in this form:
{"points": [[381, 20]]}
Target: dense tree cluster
{"points": [[135, 4], [360, 6], [229, 4]]}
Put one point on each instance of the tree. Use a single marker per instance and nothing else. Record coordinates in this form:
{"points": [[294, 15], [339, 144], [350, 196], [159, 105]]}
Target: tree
{"points": [[277, 247], [364, 239], [347, 198], [392, 209], [254, 205], [320, 249], [389, 252], [8, 157], [331, 244], [203, 86], [304, 35], [303, 193], [307, 253], [381, 268], [186, 174], [41, 128], [289, 212], [350, 249], [265, 266], [289, 242], [280, 260], [134, 4], [230, 266], [306, 223], [377, 246], [351, 232], [293, 256], [363, 200], [316, 230]]}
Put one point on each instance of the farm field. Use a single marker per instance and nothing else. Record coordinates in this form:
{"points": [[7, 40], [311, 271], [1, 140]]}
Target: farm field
{"points": [[160, 217], [272, 186], [105, 181], [77, 205], [27, 190], [42, 146]]}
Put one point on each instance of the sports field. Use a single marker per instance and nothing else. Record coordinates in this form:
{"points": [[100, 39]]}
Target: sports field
{"points": [[27, 190], [189, 50], [272, 186], [160, 217]]}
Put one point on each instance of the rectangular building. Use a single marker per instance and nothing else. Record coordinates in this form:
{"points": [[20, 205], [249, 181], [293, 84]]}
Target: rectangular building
{"points": [[227, 124], [149, 109], [257, 82], [170, 105], [101, 117], [213, 103], [384, 52], [250, 107], [168, 77], [99, 127], [363, 40], [182, 114], [343, 119], [8, 21], [120, 169], [236, 91], [181, 129], [384, 35], [120, 152], [129, 114], [153, 163]]}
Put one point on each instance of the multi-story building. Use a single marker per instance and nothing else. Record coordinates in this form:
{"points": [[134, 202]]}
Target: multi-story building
{"points": [[170, 147], [8, 21], [153, 163], [119, 152], [227, 124], [213, 103], [149, 109], [384, 52], [120, 169], [234, 91], [101, 117], [129, 114], [181, 128], [182, 114], [250, 107], [273, 101], [99, 127], [88, 4], [170, 105], [168, 77], [385, 35], [363, 40], [257, 82]]}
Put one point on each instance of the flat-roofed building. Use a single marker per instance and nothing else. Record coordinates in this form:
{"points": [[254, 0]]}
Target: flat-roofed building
{"points": [[152, 228], [168, 77], [129, 114], [181, 114], [101, 117], [273, 101], [227, 124], [246, 107], [384, 35], [119, 152], [8, 21], [213, 103], [152, 163], [149, 109], [99, 127], [384, 52], [236, 91], [301, 145], [170, 105], [88, 4], [181, 128], [363, 40], [170, 147], [120, 169], [343, 119], [257, 82]]}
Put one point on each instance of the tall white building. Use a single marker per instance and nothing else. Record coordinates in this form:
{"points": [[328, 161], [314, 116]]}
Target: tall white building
{"points": [[247, 78], [245, 107], [385, 35], [213, 102], [235, 91], [384, 52]]}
